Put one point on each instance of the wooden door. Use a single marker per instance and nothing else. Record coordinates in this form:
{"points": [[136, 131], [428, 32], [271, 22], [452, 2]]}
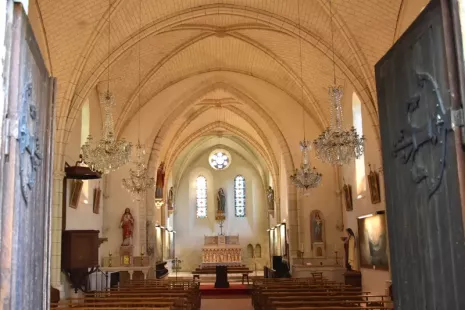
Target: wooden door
{"points": [[26, 178], [423, 203]]}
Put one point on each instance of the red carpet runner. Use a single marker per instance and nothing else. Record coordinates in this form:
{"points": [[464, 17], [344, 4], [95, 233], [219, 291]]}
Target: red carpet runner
{"points": [[234, 289]]}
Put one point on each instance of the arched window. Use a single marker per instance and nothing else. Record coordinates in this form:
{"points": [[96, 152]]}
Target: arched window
{"points": [[239, 196], [360, 162], [201, 192]]}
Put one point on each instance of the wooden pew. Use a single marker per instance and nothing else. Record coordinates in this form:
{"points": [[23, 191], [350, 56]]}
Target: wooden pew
{"points": [[313, 293], [145, 294]]}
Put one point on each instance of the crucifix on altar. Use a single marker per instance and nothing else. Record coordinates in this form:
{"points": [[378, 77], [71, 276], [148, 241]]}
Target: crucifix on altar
{"points": [[221, 227]]}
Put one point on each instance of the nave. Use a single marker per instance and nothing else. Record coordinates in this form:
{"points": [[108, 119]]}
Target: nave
{"points": [[311, 150], [315, 293]]}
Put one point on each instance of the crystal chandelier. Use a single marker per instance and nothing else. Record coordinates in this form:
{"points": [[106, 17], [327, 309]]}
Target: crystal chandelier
{"points": [[306, 177], [336, 145], [108, 154], [139, 180]]}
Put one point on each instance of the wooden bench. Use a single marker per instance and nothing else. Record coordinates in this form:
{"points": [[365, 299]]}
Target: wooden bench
{"points": [[313, 293], [140, 294]]}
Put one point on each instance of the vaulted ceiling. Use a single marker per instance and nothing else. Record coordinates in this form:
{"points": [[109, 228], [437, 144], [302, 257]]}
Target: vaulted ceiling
{"points": [[227, 52]]}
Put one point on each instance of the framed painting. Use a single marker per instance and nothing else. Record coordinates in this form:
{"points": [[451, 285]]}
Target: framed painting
{"points": [[373, 242], [373, 184], [96, 204], [347, 189], [76, 188], [317, 228]]}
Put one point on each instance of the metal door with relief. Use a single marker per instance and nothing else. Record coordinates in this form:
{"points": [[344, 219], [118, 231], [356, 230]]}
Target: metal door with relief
{"points": [[423, 201], [27, 157]]}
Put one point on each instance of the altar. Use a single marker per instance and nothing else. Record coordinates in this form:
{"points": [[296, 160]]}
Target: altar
{"points": [[221, 250]]}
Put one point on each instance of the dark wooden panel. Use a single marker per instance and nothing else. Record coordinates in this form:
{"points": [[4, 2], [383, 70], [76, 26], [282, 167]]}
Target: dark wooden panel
{"points": [[79, 249], [422, 196]]}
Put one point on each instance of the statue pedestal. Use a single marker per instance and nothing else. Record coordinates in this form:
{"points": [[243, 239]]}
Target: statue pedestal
{"points": [[126, 255]]}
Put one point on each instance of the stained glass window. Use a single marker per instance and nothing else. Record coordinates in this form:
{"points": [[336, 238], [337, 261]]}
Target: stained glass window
{"points": [[239, 196], [201, 191], [220, 159]]}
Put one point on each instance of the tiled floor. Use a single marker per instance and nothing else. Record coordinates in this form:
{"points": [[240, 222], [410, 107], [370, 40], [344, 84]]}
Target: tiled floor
{"points": [[226, 304]]}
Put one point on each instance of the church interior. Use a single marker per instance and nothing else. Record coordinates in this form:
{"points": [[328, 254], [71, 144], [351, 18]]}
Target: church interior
{"points": [[222, 150]]}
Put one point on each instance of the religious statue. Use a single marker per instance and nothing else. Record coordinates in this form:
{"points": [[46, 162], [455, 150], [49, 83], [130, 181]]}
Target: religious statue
{"points": [[160, 181], [270, 196], [221, 200], [170, 201], [127, 224], [317, 227], [350, 250]]}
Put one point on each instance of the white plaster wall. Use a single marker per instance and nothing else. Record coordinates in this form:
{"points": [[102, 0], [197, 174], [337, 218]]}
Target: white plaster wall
{"points": [[83, 217], [372, 280], [190, 230]]}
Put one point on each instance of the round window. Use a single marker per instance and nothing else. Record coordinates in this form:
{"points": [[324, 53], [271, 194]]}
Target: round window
{"points": [[219, 159]]}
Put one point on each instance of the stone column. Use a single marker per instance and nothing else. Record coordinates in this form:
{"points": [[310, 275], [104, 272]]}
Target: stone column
{"points": [[55, 272], [293, 221]]}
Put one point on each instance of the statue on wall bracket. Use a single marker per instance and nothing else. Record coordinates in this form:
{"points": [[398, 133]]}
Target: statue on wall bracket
{"points": [[170, 201], [270, 199], [159, 185], [221, 208], [317, 234]]}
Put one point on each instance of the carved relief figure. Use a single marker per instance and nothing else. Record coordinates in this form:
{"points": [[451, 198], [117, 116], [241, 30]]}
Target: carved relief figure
{"points": [[221, 199], [160, 181], [127, 224], [270, 197]]}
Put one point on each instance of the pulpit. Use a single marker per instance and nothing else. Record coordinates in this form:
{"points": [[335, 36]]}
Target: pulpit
{"points": [[221, 250]]}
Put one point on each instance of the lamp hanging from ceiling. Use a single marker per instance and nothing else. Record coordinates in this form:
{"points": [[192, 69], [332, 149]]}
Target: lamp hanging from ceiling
{"points": [[336, 145], [139, 181], [109, 153], [305, 177]]}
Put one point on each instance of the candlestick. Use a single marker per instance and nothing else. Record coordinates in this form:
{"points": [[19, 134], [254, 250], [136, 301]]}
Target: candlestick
{"points": [[109, 260]]}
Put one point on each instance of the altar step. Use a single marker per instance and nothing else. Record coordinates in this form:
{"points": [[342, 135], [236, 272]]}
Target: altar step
{"points": [[210, 278]]}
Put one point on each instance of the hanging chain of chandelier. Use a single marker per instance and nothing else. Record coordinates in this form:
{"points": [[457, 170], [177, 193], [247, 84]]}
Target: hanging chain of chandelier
{"points": [[335, 145], [139, 180], [305, 177], [109, 153]]}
